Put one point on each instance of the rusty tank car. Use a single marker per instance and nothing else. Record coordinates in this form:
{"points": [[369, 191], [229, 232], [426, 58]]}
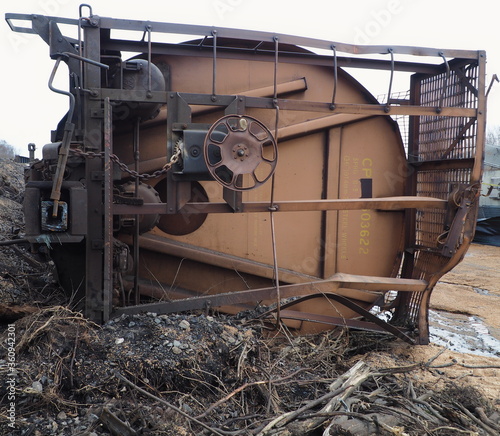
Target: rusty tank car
{"points": [[240, 169]]}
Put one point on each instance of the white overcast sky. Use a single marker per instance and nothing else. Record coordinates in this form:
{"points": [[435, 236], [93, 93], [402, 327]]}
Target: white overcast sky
{"points": [[30, 110]]}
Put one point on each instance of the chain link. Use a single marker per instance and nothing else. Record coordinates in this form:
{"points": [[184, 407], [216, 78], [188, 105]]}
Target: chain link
{"points": [[134, 174]]}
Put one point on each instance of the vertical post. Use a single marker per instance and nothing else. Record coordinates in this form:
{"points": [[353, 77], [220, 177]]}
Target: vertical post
{"points": [[404, 301], [477, 171], [137, 217], [94, 175], [178, 113], [108, 212], [31, 149], [172, 109], [234, 198]]}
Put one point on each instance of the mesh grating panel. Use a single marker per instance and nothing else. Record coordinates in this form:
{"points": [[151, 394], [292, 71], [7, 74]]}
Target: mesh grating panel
{"points": [[444, 138], [439, 140], [437, 133]]}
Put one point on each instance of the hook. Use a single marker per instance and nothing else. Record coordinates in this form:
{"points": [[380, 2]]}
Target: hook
{"points": [[214, 74], [493, 79], [276, 42], [80, 45], [445, 86], [69, 127], [149, 31], [85, 5], [335, 77], [60, 91], [387, 104]]}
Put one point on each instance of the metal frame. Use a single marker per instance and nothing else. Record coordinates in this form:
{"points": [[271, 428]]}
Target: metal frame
{"points": [[96, 116]]}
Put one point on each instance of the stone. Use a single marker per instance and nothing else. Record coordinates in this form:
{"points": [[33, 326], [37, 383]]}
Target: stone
{"points": [[184, 325], [37, 386]]}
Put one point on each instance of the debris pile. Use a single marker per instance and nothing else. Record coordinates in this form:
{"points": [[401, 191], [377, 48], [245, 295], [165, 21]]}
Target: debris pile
{"points": [[26, 282], [213, 374], [200, 374]]}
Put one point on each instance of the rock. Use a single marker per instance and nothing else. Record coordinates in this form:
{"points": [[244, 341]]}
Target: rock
{"points": [[176, 350], [119, 341], [37, 386], [61, 415], [186, 408], [184, 325]]}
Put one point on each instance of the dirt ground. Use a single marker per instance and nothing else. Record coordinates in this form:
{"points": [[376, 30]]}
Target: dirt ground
{"points": [[473, 287]]}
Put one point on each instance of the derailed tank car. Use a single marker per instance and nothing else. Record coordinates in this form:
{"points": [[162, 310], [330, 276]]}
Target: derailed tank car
{"points": [[248, 168]]}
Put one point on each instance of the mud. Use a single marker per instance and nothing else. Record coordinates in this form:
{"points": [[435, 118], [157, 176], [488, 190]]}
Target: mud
{"points": [[465, 304]]}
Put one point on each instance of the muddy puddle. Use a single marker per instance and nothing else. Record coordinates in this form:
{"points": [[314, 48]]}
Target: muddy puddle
{"points": [[462, 333]]}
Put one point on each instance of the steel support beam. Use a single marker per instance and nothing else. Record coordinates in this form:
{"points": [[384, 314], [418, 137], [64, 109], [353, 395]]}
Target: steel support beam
{"points": [[366, 284], [94, 174], [386, 204]]}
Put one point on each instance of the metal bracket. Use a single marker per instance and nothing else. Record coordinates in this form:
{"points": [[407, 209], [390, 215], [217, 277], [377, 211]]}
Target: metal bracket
{"points": [[233, 198], [454, 238], [455, 234], [49, 31]]}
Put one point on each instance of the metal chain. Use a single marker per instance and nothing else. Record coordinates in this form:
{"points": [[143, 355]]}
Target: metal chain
{"points": [[86, 154], [134, 174]]}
